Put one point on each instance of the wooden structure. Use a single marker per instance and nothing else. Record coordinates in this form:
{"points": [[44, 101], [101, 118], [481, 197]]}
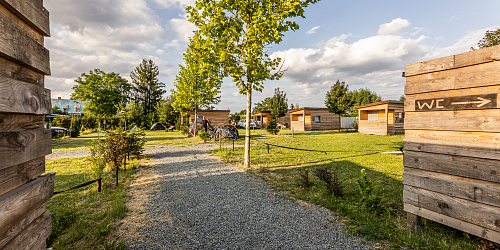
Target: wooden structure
{"points": [[262, 118], [381, 118], [24, 61], [305, 119], [214, 116], [285, 120], [452, 142]]}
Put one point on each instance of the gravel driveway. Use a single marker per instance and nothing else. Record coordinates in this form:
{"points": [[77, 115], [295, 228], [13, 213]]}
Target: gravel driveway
{"points": [[188, 199]]}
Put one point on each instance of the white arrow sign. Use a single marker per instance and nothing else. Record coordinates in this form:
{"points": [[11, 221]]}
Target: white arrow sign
{"points": [[482, 102]]}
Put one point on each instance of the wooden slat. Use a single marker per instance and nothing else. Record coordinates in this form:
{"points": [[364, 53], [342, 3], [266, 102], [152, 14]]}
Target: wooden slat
{"points": [[21, 97], [477, 56], [16, 204], [455, 138], [7, 234], [19, 147], [33, 236], [17, 46], [480, 169], [463, 120], [438, 64], [483, 153], [454, 223], [465, 188], [472, 212], [17, 72], [15, 176], [32, 12], [10, 122], [481, 75], [7, 16]]}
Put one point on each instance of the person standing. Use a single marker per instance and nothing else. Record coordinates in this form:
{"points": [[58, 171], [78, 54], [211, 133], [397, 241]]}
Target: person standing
{"points": [[204, 124]]}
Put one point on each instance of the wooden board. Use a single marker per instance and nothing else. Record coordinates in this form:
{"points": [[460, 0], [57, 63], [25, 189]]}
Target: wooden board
{"points": [[473, 140], [7, 16], [481, 169], [17, 46], [19, 147], [21, 97], [15, 176], [7, 234], [465, 188], [462, 120], [10, 122], [32, 12], [33, 236], [454, 223], [17, 72], [470, 102], [471, 212], [484, 153], [16, 204], [438, 64]]}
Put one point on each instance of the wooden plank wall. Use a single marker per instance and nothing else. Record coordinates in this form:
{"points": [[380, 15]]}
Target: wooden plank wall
{"points": [[215, 117], [452, 141], [24, 142], [328, 121]]}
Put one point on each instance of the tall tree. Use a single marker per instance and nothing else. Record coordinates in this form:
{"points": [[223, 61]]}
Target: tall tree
{"points": [[239, 32], [103, 91], [146, 88], [363, 96], [279, 103], [339, 100], [198, 83], [165, 111], [491, 38], [262, 106]]}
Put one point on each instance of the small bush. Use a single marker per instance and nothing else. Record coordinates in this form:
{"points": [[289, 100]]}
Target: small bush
{"points": [[135, 142], [366, 188], [74, 127], [97, 158], [116, 144], [184, 130], [332, 181], [304, 178], [204, 135], [355, 125], [272, 127]]}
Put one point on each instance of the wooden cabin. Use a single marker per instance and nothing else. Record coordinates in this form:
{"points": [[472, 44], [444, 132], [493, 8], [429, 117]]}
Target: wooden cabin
{"points": [[262, 118], [381, 118], [24, 102], [305, 119], [214, 116], [285, 120], [452, 134]]}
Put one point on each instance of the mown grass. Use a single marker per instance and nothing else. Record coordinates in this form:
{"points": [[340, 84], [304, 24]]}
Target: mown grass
{"points": [[83, 218], [386, 224]]}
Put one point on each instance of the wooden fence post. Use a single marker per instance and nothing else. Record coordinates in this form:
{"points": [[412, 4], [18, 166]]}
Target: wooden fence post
{"points": [[117, 167], [220, 140], [233, 145], [292, 132], [125, 162], [99, 185], [413, 221]]}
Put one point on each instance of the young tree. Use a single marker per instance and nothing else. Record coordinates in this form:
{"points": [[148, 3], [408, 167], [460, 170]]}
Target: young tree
{"points": [[146, 88], [338, 100], [198, 83], [165, 112], [134, 114], [402, 98], [239, 32], [262, 106], [278, 104], [103, 91]]}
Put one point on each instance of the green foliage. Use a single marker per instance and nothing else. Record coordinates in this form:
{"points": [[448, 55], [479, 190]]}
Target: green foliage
{"points": [[116, 145], [272, 127], [366, 188], [262, 106], [166, 113], [296, 106], [88, 122], [305, 181], [235, 116], [204, 135], [135, 142], [402, 98], [74, 127], [332, 182], [103, 91], [184, 130], [278, 104], [57, 110], [63, 122], [146, 89], [98, 159], [338, 100], [491, 38], [134, 114], [363, 96]]}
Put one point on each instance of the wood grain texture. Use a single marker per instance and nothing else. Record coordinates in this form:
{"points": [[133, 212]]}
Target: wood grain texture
{"points": [[437, 64], [7, 234], [471, 212], [481, 169], [477, 152], [465, 188], [21, 97], [477, 56], [481, 75], [10, 122], [462, 120], [454, 223], [479, 140], [17, 46], [15, 176], [32, 12], [16, 204], [33, 236], [19, 147], [15, 71], [8, 17]]}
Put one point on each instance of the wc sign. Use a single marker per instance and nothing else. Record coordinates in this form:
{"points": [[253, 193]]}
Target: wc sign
{"points": [[490, 101]]}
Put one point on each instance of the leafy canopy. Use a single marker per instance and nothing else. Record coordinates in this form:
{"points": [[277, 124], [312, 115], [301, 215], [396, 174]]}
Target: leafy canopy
{"points": [[278, 104], [165, 111], [146, 88], [491, 38], [339, 100], [103, 91]]}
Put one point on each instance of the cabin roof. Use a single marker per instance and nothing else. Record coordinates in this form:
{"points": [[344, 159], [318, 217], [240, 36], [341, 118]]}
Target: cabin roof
{"points": [[261, 112], [299, 109], [378, 103]]}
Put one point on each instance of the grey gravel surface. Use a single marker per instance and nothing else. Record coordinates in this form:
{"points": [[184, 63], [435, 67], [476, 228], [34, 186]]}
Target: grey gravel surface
{"points": [[195, 201], [68, 154]]}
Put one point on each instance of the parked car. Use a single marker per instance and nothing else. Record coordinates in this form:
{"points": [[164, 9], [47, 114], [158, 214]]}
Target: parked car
{"points": [[242, 123], [57, 131]]}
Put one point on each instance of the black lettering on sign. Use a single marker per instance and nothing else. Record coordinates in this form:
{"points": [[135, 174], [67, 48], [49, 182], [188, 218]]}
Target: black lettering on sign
{"points": [[489, 101]]}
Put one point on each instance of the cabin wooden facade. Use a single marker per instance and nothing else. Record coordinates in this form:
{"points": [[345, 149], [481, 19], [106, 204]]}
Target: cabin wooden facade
{"points": [[214, 116], [262, 118], [24, 142], [305, 119], [381, 118], [452, 134]]}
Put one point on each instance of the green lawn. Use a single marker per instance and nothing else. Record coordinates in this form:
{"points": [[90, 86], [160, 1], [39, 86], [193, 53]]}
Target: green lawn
{"points": [[83, 218], [387, 222]]}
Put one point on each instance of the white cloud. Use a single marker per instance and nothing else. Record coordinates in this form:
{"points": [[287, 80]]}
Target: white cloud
{"points": [[313, 30], [182, 27], [396, 26], [167, 4], [417, 30]]}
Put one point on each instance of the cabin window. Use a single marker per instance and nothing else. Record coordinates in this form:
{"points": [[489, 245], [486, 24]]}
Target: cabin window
{"points": [[199, 119], [317, 118], [400, 117], [372, 115], [297, 118]]}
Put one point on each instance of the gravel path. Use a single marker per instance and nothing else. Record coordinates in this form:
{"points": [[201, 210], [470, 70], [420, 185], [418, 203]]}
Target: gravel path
{"points": [[188, 199]]}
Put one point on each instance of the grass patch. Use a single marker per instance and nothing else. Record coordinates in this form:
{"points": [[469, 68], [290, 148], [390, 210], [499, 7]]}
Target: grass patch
{"points": [[385, 221], [83, 218]]}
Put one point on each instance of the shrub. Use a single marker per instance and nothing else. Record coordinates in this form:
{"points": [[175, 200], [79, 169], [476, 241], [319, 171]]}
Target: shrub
{"points": [[88, 122], [304, 178], [184, 130], [74, 127], [97, 158], [135, 142], [366, 188], [355, 125], [332, 181], [63, 121], [272, 127], [204, 135], [116, 144]]}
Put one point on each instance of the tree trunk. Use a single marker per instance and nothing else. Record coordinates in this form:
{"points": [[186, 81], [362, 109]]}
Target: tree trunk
{"points": [[195, 122], [247, 129], [339, 124]]}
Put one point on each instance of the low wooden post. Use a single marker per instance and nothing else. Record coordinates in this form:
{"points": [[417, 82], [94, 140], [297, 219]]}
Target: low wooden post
{"points": [[117, 168], [268, 149], [220, 141], [125, 162], [413, 221], [99, 185], [233, 145], [292, 132]]}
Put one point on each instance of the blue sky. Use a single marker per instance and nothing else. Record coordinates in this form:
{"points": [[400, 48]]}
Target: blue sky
{"points": [[364, 43]]}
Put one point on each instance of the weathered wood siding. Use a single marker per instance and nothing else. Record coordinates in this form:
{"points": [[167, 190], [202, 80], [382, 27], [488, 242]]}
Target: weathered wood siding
{"points": [[452, 141], [328, 121], [386, 123], [215, 117], [24, 142]]}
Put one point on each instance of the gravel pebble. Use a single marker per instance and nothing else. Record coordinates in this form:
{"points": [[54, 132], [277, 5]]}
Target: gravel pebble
{"points": [[199, 202]]}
